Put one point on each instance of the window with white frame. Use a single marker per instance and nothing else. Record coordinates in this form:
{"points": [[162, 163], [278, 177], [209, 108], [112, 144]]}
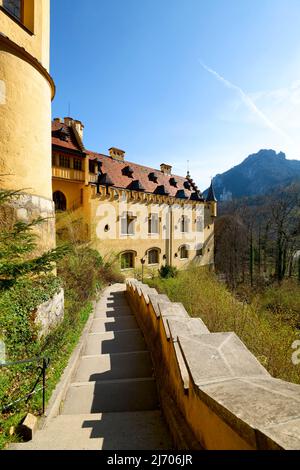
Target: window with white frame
{"points": [[153, 224], [184, 224], [127, 224], [199, 224]]}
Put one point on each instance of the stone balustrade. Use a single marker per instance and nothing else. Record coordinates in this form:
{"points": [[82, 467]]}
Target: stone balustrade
{"points": [[213, 392]]}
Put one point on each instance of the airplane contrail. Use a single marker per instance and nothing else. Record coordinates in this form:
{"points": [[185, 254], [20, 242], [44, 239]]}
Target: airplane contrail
{"points": [[247, 101]]}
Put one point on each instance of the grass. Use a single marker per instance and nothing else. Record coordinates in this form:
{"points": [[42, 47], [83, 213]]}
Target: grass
{"points": [[59, 348], [266, 332]]}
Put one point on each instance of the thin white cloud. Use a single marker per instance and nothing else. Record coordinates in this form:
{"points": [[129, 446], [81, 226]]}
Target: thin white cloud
{"points": [[248, 102]]}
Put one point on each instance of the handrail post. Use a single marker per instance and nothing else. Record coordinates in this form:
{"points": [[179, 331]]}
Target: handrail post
{"points": [[44, 383]]}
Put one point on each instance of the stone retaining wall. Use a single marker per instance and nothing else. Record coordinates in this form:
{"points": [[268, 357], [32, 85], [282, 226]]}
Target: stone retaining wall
{"points": [[214, 393], [49, 314], [26, 208]]}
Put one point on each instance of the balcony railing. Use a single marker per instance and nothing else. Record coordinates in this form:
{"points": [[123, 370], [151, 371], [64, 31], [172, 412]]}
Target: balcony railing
{"points": [[71, 174], [68, 174], [93, 178]]}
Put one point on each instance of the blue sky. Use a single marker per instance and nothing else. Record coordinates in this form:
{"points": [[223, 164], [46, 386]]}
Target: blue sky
{"points": [[209, 81]]}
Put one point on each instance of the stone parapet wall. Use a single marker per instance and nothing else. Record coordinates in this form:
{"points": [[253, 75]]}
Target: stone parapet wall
{"points": [[214, 393]]}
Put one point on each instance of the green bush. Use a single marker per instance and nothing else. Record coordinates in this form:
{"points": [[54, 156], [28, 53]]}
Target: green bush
{"points": [[267, 336], [282, 300], [17, 306], [167, 272]]}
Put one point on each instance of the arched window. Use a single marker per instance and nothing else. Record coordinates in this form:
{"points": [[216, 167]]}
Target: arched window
{"points": [[153, 256], [184, 253], [127, 260], [60, 201]]}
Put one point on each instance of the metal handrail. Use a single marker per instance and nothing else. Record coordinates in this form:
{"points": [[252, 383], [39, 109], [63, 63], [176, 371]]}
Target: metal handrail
{"points": [[42, 369]]}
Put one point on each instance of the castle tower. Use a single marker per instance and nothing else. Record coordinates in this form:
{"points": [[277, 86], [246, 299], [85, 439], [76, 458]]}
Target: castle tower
{"points": [[26, 91]]}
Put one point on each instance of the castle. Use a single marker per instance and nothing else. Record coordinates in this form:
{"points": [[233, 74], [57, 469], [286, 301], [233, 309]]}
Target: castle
{"points": [[143, 216]]}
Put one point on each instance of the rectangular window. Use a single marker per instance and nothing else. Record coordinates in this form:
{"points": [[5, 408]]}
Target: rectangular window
{"points": [[64, 162], [184, 224], [127, 224], [199, 224], [77, 164], [15, 8], [53, 159], [92, 166], [153, 224]]}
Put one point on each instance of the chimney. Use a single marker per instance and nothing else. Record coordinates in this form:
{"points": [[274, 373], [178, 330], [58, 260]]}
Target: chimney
{"points": [[117, 154], [68, 121], [76, 124], [166, 169], [79, 128]]}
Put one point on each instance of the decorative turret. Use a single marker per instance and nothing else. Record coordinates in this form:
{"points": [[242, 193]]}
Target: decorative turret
{"points": [[211, 198]]}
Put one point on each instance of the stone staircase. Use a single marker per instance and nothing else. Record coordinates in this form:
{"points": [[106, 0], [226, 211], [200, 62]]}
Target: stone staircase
{"points": [[112, 402]]}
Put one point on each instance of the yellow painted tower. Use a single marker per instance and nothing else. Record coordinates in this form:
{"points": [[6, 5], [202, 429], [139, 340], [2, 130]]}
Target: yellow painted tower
{"points": [[26, 91]]}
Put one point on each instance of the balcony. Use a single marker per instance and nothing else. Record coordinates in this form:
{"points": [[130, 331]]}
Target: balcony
{"points": [[93, 178], [67, 174]]}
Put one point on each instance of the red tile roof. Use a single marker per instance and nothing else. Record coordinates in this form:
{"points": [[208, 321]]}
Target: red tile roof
{"points": [[70, 143], [114, 169]]}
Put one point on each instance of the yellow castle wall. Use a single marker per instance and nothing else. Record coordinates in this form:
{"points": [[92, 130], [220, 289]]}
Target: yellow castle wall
{"points": [[106, 210], [71, 190], [26, 90], [25, 104], [35, 40]]}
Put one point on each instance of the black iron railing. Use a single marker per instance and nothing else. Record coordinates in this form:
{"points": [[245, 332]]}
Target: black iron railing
{"points": [[42, 368]]}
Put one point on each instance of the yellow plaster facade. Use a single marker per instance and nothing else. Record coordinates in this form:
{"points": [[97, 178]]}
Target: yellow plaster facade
{"points": [[103, 208], [26, 90]]}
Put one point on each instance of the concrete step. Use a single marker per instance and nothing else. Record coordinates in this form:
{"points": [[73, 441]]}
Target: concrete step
{"points": [[114, 342], [109, 312], [125, 322], [142, 430], [114, 366], [111, 396]]}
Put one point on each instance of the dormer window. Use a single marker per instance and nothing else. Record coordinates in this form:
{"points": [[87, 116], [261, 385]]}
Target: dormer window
{"points": [[152, 177], [173, 182], [14, 8], [187, 185], [162, 191], [181, 194], [136, 186], [128, 171], [63, 134]]}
